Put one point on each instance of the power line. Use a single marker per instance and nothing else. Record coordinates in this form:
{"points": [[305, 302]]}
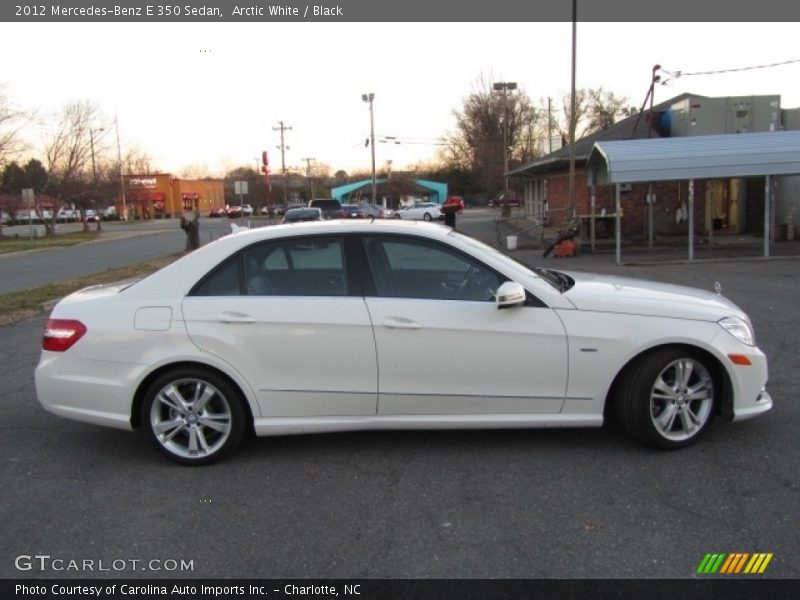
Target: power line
{"points": [[393, 139], [677, 74]]}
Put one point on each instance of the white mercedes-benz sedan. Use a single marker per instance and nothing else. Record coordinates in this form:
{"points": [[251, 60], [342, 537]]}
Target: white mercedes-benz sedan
{"points": [[425, 211], [259, 331]]}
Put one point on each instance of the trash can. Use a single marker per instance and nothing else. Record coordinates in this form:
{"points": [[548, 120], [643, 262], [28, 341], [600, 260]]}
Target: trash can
{"points": [[511, 242]]}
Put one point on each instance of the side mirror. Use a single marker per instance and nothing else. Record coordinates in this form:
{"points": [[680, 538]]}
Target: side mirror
{"points": [[510, 294]]}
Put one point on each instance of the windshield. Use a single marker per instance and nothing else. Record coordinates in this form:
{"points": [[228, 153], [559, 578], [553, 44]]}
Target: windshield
{"points": [[554, 278]]}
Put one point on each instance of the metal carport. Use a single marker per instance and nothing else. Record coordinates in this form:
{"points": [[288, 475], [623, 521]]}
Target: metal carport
{"points": [[690, 158]]}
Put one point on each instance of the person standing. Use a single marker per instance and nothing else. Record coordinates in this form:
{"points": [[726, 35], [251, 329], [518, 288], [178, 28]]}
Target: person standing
{"points": [[453, 206]]}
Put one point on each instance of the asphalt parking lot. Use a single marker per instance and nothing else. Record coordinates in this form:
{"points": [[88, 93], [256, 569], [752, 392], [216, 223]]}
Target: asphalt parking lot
{"points": [[496, 504]]}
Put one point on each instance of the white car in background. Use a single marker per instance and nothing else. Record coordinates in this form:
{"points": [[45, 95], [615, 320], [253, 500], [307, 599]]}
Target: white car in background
{"points": [[422, 211], [219, 344]]}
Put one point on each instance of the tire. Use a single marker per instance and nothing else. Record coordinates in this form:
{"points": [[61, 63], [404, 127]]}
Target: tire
{"points": [[426, 217], [193, 416], [667, 398], [396, 216]]}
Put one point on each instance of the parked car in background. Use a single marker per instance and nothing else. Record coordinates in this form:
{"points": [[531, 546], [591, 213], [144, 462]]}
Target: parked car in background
{"points": [[425, 211], [353, 211], [376, 211], [220, 342], [330, 207], [236, 211], [67, 215], [91, 215], [306, 213], [272, 210], [503, 200], [217, 212]]}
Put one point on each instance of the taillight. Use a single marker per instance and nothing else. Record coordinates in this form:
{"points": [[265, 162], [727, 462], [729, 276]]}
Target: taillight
{"points": [[61, 334]]}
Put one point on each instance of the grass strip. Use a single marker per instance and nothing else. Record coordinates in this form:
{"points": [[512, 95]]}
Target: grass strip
{"points": [[23, 243]]}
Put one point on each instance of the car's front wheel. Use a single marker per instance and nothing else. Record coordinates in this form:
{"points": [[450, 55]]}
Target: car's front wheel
{"points": [[192, 416], [427, 216], [666, 399]]}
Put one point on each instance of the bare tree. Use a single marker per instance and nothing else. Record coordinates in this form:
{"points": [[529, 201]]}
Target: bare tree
{"points": [[340, 177], [71, 153], [12, 121], [595, 109], [605, 108], [195, 171], [137, 162], [581, 112], [485, 120]]}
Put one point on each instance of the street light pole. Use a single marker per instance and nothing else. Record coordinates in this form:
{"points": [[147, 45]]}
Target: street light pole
{"points": [[124, 215], [504, 86], [94, 175], [369, 98]]}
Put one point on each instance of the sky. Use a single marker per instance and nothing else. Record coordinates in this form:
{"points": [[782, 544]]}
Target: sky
{"points": [[212, 94]]}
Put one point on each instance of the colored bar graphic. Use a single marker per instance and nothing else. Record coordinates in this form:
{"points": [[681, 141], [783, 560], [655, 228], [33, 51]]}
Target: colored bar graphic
{"points": [[704, 564], [715, 566], [741, 562], [728, 565], [734, 563]]}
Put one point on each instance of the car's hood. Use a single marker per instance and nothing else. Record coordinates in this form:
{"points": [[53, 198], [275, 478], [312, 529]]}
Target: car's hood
{"points": [[605, 293]]}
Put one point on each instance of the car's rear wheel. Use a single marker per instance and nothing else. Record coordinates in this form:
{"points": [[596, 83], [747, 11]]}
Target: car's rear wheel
{"points": [[666, 399], [192, 416]]}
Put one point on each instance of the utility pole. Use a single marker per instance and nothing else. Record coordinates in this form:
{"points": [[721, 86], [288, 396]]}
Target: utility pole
{"points": [[572, 116], [283, 149], [369, 98], [505, 86], [549, 125], [309, 175]]}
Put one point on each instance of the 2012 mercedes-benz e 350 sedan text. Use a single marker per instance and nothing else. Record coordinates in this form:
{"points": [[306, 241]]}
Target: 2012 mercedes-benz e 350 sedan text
{"points": [[259, 330]]}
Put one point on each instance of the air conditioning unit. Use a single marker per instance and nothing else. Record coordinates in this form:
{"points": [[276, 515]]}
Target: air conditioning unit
{"points": [[625, 187]]}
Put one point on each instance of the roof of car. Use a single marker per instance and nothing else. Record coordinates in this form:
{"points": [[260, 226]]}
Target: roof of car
{"points": [[337, 226], [301, 209]]}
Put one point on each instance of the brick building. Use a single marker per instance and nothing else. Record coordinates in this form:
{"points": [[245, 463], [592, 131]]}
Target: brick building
{"points": [[724, 206], [162, 195]]}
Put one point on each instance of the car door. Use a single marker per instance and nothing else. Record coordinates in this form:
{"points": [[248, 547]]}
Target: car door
{"points": [[445, 348], [284, 314]]}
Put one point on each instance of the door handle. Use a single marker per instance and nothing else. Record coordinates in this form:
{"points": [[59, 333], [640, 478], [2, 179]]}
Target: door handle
{"points": [[236, 317], [400, 323]]}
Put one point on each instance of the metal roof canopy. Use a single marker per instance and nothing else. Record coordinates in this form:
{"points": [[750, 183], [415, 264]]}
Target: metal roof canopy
{"points": [[689, 158], [700, 157]]}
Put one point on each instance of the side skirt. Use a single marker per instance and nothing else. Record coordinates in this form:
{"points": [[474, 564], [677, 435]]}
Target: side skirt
{"points": [[296, 426]]}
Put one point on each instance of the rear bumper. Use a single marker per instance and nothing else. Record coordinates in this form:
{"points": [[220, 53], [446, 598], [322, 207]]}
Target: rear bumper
{"points": [[91, 391]]}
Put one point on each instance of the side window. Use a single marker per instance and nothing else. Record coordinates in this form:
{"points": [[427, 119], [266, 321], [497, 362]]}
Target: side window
{"points": [[311, 266], [223, 281], [416, 268]]}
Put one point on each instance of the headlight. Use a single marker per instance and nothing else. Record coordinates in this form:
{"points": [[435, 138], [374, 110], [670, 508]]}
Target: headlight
{"points": [[741, 329]]}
